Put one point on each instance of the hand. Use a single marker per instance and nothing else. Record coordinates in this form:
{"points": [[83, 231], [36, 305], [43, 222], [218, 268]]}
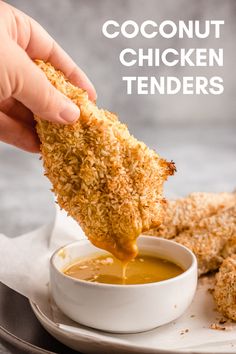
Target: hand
{"points": [[24, 89]]}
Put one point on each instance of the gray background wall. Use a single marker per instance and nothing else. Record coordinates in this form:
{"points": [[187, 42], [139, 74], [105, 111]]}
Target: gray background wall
{"points": [[197, 132]]}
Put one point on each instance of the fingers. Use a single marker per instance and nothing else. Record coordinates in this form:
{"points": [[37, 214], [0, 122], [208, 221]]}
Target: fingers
{"points": [[32, 88], [16, 110], [40, 45], [18, 133]]}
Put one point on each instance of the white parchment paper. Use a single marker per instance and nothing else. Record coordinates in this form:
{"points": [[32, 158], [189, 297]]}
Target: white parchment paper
{"points": [[24, 260]]}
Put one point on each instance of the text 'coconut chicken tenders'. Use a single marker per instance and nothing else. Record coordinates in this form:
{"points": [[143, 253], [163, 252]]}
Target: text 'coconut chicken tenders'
{"points": [[102, 176]]}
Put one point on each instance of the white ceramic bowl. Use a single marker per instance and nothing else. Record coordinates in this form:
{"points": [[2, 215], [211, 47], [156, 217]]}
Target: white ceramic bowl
{"points": [[124, 308]]}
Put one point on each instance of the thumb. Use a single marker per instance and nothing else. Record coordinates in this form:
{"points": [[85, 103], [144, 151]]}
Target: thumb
{"points": [[34, 90]]}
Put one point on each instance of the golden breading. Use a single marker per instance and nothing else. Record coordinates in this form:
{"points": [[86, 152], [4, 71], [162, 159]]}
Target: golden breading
{"points": [[102, 176], [225, 288], [208, 239], [185, 213], [230, 247]]}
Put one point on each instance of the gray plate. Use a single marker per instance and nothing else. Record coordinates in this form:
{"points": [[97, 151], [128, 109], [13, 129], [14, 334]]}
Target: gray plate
{"points": [[20, 331]]}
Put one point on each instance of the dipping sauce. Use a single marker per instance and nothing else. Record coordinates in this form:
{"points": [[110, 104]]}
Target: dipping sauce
{"points": [[107, 269]]}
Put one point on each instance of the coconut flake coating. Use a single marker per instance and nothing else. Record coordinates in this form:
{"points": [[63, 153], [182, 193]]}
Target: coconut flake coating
{"points": [[186, 213], [225, 288], [209, 238]]}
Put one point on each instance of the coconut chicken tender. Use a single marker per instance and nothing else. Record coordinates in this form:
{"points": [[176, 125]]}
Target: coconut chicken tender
{"points": [[230, 247], [102, 176], [225, 288], [205, 223], [186, 213], [209, 238]]}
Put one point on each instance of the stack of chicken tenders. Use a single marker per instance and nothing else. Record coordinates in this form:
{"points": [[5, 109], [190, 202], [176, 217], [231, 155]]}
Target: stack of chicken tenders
{"points": [[206, 223], [112, 185]]}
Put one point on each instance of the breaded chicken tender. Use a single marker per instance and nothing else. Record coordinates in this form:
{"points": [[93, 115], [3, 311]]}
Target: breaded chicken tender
{"points": [[225, 288], [102, 176], [230, 247], [208, 239], [186, 213]]}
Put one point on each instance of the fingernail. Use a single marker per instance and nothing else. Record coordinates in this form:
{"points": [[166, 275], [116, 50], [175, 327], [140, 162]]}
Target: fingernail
{"points": [[71, 113]]}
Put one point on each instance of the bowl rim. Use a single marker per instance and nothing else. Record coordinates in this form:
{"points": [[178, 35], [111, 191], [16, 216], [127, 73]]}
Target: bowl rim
{"points": [[185, 273]]}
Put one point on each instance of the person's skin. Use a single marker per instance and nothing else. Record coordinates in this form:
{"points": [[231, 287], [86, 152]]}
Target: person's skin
{"points": [[24, 89]]}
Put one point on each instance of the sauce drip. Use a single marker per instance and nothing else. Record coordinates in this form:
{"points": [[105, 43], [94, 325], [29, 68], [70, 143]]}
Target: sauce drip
{"points": [[107, 269], [124, 269]]}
